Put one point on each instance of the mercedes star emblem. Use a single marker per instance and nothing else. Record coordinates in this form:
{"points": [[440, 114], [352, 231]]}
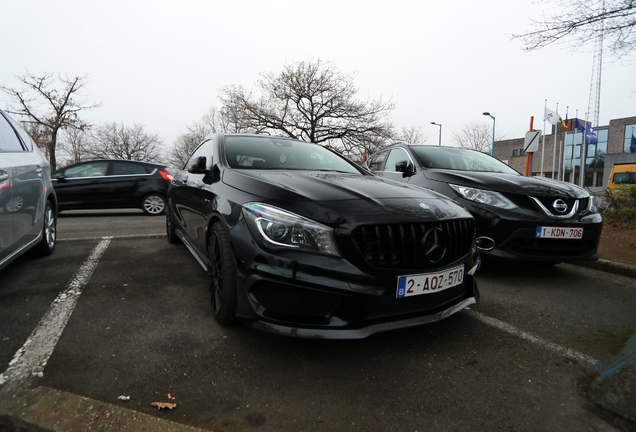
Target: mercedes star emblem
{"points": [[434, 245]]}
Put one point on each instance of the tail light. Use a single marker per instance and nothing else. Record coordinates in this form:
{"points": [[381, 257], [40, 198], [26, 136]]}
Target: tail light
{"points": [[166, 176]]}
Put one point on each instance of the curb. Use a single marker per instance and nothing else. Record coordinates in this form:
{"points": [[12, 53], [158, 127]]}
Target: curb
{"points": [[609, 266], [615, 387], [43, 409]]}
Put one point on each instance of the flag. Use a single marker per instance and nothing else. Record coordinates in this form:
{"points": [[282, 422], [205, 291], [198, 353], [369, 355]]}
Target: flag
{"points": [[566, 124], [579, 127], [551, 116], [590, 136], [632, 147]]}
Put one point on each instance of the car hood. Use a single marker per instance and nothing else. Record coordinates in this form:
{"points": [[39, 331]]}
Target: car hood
{"points": [[335, 197], [510, 183]]}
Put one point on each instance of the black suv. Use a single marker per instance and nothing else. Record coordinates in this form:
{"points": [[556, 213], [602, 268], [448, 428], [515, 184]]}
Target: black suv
{"points": [[103, 184], [522, 218]]}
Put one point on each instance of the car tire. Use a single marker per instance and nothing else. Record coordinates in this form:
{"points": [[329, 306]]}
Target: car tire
{"points": [[170, 228], [153, 204], [46, 246], [222, 275]]}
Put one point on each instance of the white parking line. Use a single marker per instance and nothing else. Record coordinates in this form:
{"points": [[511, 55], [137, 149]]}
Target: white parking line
{"points": [[587, 361], [30, 360], [114, 237]]}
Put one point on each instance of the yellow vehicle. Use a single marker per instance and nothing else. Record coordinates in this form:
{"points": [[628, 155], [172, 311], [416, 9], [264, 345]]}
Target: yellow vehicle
{"points": [[621, 178]]}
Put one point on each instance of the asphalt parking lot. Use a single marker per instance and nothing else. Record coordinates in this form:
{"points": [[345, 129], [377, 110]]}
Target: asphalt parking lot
{"points": [[141, 326]]}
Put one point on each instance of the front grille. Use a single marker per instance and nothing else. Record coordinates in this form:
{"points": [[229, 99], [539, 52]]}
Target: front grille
{"points": [[523, 201], [549, 201], [399, 246]]}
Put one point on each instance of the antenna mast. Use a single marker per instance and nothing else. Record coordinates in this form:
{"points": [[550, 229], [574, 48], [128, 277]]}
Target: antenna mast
{"points": [[594, 102]]}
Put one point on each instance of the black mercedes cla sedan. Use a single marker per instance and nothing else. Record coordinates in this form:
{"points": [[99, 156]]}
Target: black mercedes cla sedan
{"points": [[299, 241], [532, 219]]}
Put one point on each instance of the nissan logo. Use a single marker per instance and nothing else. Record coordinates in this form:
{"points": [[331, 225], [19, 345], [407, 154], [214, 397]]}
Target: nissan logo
{"points": [[434, 245], [560, 206]]}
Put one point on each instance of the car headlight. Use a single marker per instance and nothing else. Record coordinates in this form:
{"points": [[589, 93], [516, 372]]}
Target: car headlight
{"points": [[281, 228], [484, 197], [592, 207]]}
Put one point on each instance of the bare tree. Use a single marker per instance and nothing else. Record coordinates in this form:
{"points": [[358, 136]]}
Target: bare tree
{"points": [[118, 141], [51, 103], [411, 135], [311, 101], [75, 145], [213, 121], [476, 135], [186, 143], [581, 21], [223, 120]]}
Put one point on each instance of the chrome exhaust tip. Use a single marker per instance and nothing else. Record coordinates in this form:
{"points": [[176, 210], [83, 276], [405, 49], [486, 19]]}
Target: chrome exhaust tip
{"points": [[484, 243]]}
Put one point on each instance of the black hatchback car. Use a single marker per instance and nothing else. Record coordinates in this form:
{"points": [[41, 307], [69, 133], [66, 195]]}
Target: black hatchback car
{"points": [[106, 184], [299, 241], [518, 217]]}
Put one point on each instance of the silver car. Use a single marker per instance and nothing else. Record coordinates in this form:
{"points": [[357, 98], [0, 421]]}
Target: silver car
{"points": [[28, 205]]}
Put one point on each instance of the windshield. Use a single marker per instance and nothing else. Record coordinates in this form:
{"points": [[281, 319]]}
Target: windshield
{"points": [[460, 159], [263, 153]]}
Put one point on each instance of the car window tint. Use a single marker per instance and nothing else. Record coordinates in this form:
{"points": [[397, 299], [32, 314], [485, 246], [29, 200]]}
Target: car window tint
{"points": [[375, 162], [396, 155], [26, 139], [205, 149], [8, 139], [459, 159], [277, 153], [124, 168], [90, 169]]}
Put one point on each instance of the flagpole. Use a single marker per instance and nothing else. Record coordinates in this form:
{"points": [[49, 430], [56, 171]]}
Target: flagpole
{"points": [[556, 129], [584, 151], [562, 146], [574, 148], [543, 148]]}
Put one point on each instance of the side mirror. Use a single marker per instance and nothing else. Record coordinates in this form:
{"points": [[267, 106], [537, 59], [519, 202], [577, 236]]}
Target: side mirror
{"points": [[198, 166], [61, 178], [405, 167]]}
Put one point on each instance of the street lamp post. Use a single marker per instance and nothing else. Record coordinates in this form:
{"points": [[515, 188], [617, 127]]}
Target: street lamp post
{"points": [[492, 151], [440, 131]]}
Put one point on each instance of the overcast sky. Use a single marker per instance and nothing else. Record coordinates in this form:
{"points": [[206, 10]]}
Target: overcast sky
{"points": [[161, 64]]}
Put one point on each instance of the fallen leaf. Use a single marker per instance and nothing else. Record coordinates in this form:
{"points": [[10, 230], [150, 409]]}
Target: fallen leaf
{"points": [[160, 405], [169, 397]]}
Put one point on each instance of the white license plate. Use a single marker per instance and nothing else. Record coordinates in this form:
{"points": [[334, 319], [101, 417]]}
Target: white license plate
{"points": [[559, 232], [429, 283]]}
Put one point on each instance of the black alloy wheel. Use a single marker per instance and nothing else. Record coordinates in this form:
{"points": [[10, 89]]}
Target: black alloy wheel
{"points": [[46, 246], [170, 228], [153, 204], [222, 274]]}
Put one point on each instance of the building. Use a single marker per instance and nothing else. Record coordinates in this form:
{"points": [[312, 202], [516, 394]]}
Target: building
{"points": [[562, 156]]}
